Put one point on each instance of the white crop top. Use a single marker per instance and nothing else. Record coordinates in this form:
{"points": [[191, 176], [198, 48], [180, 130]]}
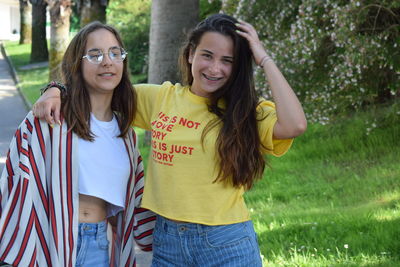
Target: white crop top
{"points": [[104, 164]]}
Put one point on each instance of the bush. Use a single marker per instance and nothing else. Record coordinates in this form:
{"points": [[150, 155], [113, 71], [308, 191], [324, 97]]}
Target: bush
{"points": [[338, 55]]}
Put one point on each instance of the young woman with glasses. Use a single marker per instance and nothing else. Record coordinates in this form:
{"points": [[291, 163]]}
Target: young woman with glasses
{"points": [[63, 184], [209, 138]]}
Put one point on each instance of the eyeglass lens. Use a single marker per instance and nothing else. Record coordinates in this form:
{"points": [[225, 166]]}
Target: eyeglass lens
{"points": [[116, 54]]}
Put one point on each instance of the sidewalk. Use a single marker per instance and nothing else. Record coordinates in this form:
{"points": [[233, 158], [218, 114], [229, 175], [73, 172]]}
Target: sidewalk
{"points": [[12, 110]]}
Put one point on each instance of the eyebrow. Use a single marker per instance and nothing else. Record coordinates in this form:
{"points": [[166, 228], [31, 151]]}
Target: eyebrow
{"points": [[98, 49], [208, 51]]}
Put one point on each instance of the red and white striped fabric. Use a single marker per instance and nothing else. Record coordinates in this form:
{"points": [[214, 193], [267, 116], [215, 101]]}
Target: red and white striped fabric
{"points": [[39, 200]]}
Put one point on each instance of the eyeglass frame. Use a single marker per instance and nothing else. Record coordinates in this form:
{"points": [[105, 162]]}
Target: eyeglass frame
{"points": [[123, 55]]}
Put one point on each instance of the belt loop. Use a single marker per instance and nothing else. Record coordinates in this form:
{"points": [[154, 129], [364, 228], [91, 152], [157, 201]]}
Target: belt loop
{"points": [[200, 229]]}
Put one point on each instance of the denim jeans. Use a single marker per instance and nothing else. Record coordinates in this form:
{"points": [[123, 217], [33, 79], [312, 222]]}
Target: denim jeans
{"points": [[92, 250], [190, 244]]}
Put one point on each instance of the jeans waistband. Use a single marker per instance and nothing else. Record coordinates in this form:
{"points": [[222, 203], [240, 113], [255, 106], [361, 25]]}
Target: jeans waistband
{"points": [[177, 228], [93, 228]]}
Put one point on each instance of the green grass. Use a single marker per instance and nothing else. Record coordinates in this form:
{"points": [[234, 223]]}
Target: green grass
{"points": [[332, 200], [30, 80]]}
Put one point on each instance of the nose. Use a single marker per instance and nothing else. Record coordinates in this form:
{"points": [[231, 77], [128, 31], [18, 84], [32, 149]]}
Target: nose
{"points": [[215, 67], [106, 60]]}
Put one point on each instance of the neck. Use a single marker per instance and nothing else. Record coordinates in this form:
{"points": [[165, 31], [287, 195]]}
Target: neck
{"points": [[101, 107]]}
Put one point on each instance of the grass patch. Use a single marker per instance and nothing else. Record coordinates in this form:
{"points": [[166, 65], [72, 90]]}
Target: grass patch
{"points": [[334, 199], [30, 80]]}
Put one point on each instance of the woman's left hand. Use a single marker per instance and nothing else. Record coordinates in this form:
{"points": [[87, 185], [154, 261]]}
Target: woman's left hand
{"points": [[247, 31]]}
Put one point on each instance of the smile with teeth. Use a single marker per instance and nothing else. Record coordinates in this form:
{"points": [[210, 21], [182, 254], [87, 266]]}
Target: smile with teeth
{"points": [[106, 74], [212, 78]]}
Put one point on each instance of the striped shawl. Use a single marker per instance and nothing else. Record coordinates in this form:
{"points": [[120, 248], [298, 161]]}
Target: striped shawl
{"points": [[39, 200]]}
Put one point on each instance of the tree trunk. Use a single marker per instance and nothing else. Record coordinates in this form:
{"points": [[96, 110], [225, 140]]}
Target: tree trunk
{"points": [[170, 21], [92, 10], [39, 50], [60, 12], [25, 10]]}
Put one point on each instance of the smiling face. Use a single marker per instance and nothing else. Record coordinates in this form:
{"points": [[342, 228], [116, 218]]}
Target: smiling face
{"points": [[212, 62], [104, 77]]}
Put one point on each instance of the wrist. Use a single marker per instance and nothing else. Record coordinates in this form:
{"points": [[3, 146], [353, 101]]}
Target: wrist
{"points": [[264, 60], [58, 85]]}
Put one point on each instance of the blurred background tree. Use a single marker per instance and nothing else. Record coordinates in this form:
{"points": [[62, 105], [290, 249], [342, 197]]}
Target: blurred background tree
{"points": [[132, 19], [39, 51], [25, 10]]}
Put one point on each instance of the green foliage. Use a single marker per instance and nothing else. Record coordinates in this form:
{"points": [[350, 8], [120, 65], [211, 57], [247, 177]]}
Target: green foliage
{"points": [[75, 20], [338, 55], [132, 19], [209, 7]]}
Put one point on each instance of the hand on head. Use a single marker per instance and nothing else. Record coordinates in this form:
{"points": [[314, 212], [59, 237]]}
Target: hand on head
{"points": [[247, 31]]}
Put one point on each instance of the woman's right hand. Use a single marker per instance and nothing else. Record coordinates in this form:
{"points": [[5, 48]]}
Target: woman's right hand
{"points": [[48, 106]]}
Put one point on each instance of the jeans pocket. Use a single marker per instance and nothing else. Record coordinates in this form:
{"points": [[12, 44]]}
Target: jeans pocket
{"points": [[102, 242], [228, 235], [158, 237]]}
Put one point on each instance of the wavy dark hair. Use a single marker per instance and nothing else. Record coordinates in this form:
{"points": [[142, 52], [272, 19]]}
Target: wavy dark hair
{"points": [[76, 105], [238, 142]]}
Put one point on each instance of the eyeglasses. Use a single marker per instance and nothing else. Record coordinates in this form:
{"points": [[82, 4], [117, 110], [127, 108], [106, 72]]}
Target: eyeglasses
{"points": [[115, 53]]}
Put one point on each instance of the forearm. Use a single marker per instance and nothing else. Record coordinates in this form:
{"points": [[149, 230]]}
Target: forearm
{"points": [[291, 119]]}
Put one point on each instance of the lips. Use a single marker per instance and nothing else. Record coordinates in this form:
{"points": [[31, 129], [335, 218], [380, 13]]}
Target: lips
{"points": [[106, 74], [211, 78]]}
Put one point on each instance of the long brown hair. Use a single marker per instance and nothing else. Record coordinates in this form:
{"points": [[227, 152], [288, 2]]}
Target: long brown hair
{"points": [[238, 142], [76, 105]]}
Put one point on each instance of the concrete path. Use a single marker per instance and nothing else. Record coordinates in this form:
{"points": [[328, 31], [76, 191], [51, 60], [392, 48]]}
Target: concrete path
{"points": [[12, 111], [12, 108]]}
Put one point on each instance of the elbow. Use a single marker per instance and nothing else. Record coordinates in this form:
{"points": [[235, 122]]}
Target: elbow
{"points": [[299, 128], [292, 130], [302, 127]]}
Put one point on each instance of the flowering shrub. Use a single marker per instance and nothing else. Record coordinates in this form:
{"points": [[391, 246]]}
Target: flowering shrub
{"points": [[338, 55]]}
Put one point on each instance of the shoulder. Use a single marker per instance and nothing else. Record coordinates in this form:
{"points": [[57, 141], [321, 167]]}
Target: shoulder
{"points": [[265, 108], [32, 123], [160, 88]]}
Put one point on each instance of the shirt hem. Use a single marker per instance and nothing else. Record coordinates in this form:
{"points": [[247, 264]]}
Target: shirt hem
{"points": [[196, 221]]}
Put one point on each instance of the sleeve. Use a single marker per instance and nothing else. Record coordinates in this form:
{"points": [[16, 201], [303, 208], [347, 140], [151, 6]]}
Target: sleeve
{"points": [[146, 96], [15, 208], [266, 115], [144, 218], [15, 166]]}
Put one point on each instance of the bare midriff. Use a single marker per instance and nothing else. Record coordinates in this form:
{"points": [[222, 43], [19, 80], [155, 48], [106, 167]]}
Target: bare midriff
{"points": [[91, 209]]}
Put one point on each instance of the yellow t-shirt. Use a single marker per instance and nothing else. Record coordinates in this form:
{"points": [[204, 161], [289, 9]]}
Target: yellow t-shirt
{"points": [[180, 174]]}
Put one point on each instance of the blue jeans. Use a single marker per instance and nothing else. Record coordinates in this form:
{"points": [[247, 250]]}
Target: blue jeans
{"points": [[191, 244], [92, 250]]}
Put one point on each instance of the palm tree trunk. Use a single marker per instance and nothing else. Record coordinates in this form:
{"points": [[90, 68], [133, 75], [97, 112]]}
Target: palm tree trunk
{"points": [[92, 10], [25, 10], [170, 20], [39, 50], [60, 12]]}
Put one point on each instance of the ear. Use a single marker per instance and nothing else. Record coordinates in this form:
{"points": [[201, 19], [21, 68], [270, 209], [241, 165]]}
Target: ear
{"points": [[191, 55]]}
